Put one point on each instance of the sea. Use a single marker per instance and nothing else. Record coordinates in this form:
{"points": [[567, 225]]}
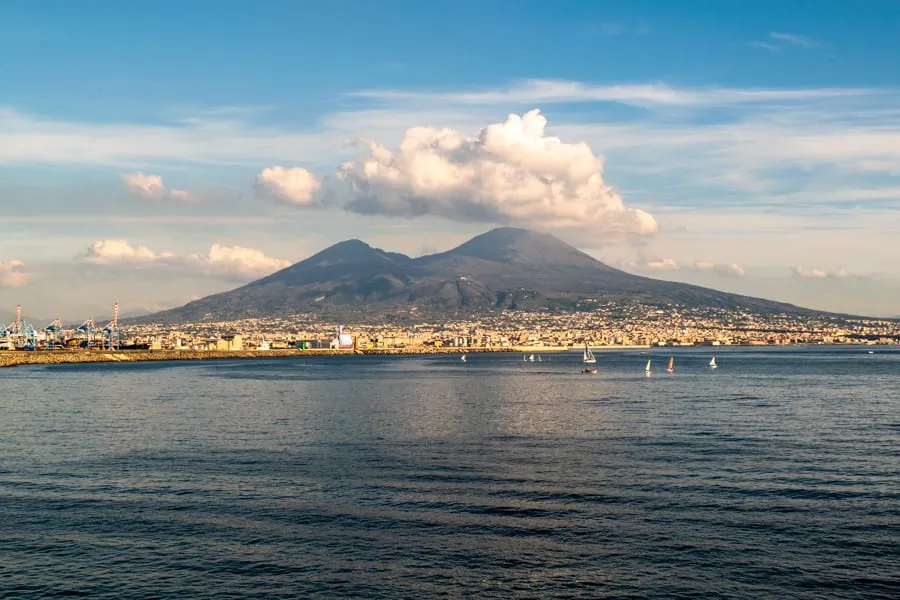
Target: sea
{"points": [[776, 475]]}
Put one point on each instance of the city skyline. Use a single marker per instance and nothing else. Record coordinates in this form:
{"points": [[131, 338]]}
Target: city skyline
{"points": [[749, 150]]}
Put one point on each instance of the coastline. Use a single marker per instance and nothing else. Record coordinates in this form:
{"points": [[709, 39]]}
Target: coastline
{"points": [[14, 358]]}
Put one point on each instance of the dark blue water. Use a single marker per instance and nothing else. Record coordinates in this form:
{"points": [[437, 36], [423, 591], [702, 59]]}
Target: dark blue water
{"points": [[776, 476]]}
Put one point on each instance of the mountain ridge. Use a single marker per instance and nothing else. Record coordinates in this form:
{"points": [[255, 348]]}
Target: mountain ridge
{"points": [[505, 268]]}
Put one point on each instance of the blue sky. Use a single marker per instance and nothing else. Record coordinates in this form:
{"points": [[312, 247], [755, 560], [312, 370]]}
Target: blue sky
{"points": [[750, 146]]}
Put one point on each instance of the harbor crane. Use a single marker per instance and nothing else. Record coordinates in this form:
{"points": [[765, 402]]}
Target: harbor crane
{"points": [[20, 333], [110, 334], [54, 335]]}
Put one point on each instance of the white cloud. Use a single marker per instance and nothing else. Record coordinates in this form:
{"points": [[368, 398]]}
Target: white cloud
{"points": [[661, 264], [813, 273], [12, 274], [151, 187], [221, 261], [670, 264], [535, 91], [218, 139], [793, 39], [850, 127], [104, 252], [727, 270], [778, 41], [511, 173], [238, 260], [295, 185]]}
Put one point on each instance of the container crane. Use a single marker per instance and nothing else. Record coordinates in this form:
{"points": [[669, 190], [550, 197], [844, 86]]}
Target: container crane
{"points": [[110, 334]]}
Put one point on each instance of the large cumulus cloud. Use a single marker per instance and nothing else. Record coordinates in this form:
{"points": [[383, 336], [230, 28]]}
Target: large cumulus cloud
{"points": [[512, 172]]}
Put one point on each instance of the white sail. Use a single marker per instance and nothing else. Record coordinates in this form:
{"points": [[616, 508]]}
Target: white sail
{"points": [[712, 363], [539, 358], [588, 355], [463, 358], [671, 368], [531, 358], [647, 368]]}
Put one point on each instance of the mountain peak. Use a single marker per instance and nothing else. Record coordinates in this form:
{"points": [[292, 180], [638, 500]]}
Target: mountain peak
{"points": [[346, 251], [515, 245]]}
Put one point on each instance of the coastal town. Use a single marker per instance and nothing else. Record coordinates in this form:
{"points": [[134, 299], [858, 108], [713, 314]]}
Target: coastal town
{"points": [[607, 326], [610, 325]]}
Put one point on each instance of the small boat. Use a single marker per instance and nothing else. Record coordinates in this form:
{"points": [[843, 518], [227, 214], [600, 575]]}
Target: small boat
{"points": [[531, 358], [589, 371], [671, 367], [539, 358], [588, 355], [712, 363], [647, 368], [871, 352], [463, 358], [524, 358]]}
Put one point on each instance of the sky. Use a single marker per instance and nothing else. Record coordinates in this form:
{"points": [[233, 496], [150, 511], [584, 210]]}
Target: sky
{"points": [[155, 152]]}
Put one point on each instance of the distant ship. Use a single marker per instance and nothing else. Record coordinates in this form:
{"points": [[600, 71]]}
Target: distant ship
{"points": [[671, 367], [463, 358], [712, 363], [647, 368]]}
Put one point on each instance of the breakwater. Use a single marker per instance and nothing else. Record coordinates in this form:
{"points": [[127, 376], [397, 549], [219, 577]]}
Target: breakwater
{"points": [[60, 357]]}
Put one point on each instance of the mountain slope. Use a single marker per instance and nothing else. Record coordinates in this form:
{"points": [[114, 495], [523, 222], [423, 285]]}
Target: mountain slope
{"points": [[503, 268]]}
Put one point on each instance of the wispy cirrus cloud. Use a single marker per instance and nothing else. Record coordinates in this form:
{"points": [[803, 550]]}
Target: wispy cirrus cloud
{"points": [[225, 139], [777, 41], [793, 39], [536, 91]]}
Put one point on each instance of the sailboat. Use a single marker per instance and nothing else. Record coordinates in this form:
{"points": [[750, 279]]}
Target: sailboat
{"points": [[671, 367], [712, 363], [539, 358], [588, 355], [647, 368], [524, 358], [531, 358], [463, 358]]}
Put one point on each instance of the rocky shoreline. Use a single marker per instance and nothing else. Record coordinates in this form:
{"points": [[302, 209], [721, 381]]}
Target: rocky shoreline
{"points": [[60, 357]]}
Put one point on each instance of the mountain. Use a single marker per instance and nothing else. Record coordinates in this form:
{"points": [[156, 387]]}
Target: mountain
{"points": [[503, 268]]}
